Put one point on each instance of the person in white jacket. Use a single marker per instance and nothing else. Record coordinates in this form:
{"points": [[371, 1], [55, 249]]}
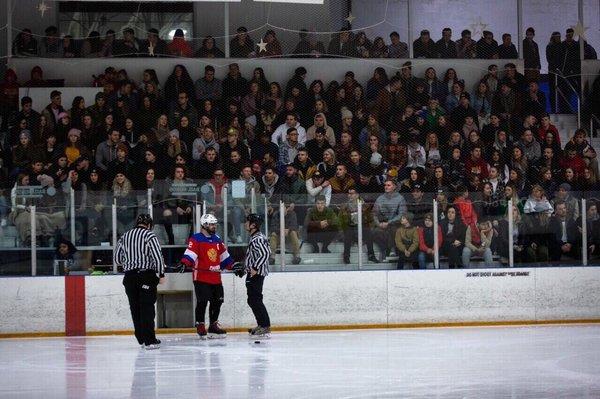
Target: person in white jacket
{"points": [[317, 185], [280, 134], [537, 202]]}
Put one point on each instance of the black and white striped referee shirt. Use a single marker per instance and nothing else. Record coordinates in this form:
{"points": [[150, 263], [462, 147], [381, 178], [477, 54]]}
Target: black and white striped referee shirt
{"points": [[258, 253], [139, 248]]}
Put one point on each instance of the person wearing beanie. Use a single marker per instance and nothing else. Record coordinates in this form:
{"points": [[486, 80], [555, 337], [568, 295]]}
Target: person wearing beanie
{"points": [[73, 148]]}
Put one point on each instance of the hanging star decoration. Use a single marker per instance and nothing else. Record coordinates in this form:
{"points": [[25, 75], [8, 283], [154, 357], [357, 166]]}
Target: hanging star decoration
{"points": [[42, 8], [262, 46], [350, 18], [478, 27], [579, 30]]}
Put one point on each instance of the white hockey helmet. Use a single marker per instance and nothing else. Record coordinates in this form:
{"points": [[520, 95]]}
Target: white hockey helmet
{"points": [[208, 218]]}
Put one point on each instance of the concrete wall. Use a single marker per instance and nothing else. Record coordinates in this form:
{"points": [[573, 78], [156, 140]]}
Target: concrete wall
{"points": [[78, 72], [334, 298]]}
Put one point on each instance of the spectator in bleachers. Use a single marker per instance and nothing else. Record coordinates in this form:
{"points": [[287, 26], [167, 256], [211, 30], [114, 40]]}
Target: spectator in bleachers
{"points": [[234, 84], [121, 164], [362, 45], [407, 242], [290, 232], [446, 48], [182, 108], [242, 46], [322, 226], [316, 186], [107, 150], [25, 45], [565, 236], [9, 97], [478, 241], [453, 237], [397, 49], [179, 47], [466, 47], [426, 241], [54, 109], [424, 46], [73, 148], [317, 145], [531, 56], [37, 78], [68, 47], [434, 87], [593, 229], [208, 87], [388, 209], [179, 81], [378, 49]]}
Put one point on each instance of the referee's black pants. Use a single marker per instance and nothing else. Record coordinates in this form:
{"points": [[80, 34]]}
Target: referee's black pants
{"points": [[254, 287], [140, 287]]}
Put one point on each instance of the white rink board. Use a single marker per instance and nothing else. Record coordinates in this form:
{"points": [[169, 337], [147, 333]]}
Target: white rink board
{"points": [[333, 298], [32, 304]]}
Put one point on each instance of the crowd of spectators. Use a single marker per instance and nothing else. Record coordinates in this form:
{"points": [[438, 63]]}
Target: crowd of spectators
{"points": [[396, 141]]}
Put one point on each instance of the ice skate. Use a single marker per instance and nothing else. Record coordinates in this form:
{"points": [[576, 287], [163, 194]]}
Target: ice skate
{"points": [[261, 333], [153, 345], [216, 332], [201, 330]]}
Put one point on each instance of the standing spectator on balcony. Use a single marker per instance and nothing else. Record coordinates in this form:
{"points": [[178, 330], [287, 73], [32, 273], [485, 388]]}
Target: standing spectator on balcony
{"points": [[129, 46], [379, 49], [507, 49], [24, 44], [92, 46], [424, 47], [273, 48], [209, 49], [531, 55], [54, 109], [487, 47], [309, 46], [154, 46], [570, 64], [234, 84], [179, 81], [397, 49], [342, 44], [51, 45], [446, 48], [242, 46], [362, 45], [554, 57], [179, 47], [466, 47]]}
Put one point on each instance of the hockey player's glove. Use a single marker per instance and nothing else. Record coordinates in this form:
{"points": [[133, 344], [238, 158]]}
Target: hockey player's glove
{"points": [[181, 267], [239, 269]]}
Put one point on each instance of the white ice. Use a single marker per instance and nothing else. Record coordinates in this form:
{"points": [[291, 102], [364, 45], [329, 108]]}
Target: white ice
{"points": [[495, 362]]}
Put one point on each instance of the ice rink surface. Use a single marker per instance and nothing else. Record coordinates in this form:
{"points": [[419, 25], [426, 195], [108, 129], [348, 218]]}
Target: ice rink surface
{"points": [[492, 362]]}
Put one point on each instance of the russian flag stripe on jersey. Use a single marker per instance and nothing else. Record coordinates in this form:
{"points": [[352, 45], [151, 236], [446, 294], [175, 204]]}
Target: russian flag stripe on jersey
{"points": [[204, 252]]}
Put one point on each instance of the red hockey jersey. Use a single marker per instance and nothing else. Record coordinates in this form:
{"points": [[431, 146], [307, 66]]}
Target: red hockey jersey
{"points": [[207, 256]]}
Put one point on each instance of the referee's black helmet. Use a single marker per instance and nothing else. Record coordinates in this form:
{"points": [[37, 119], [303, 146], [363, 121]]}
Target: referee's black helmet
{"points": [[256, 219], [145, 219]]}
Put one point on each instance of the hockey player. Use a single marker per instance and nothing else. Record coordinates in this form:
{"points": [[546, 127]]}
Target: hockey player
{"points": [[207, 256]]}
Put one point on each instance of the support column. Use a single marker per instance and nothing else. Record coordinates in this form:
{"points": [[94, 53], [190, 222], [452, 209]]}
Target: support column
{"points": [[520, 27]]}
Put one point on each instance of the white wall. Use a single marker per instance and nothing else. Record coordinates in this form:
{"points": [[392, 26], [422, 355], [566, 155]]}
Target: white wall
{"points": [[32, 304], [35, 304]]}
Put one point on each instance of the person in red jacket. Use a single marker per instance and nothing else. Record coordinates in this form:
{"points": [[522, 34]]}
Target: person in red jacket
{"points": [[466, 210], [476, 165], [207, 256], [573, 161]]}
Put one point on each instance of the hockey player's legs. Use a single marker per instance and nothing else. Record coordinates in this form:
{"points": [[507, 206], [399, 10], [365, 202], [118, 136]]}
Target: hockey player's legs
{"points": [[216, 301], [203, 295]]}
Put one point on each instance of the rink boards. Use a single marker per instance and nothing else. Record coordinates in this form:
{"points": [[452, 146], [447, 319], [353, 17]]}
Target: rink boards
{"points": [[92, 304]]}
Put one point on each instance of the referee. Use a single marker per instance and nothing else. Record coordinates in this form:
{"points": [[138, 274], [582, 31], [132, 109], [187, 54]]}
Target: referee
{"points": [[138, 253], [257, 268]]}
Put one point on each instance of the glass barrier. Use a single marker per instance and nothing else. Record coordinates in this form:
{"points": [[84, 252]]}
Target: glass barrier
{"points": [[409, 229]]}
